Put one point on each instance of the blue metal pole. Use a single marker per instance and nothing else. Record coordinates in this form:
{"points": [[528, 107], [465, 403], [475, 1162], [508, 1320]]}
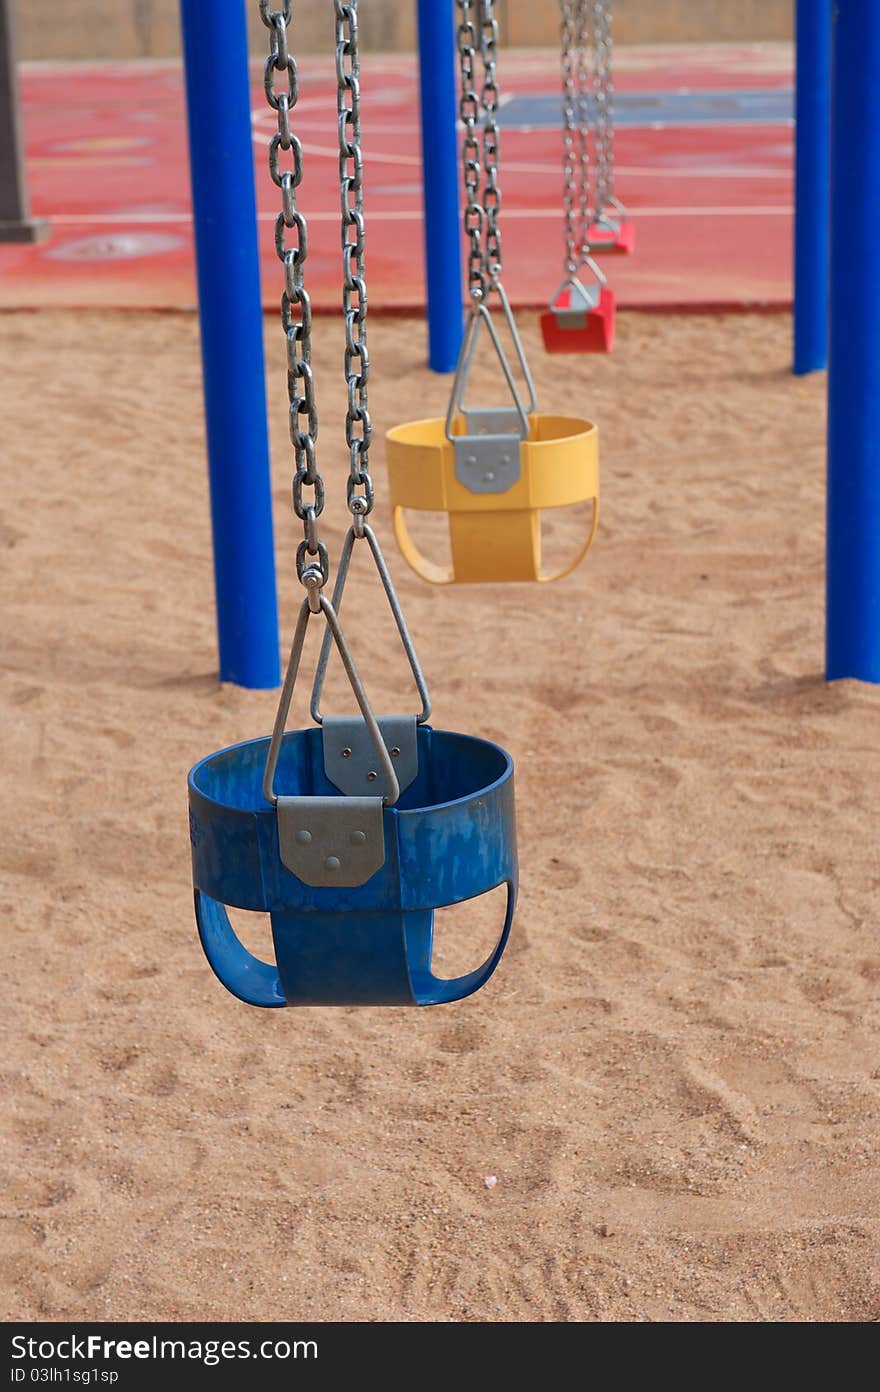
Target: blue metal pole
{"points": [[230, 310], [812, 178], [853, 581], [440, 166]]}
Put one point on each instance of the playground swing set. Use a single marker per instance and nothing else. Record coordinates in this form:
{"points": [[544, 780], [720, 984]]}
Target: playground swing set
{"points": [[351, 833]]}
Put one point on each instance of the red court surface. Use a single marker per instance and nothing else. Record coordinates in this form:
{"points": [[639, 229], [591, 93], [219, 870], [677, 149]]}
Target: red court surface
{"points": [[107, 164]]}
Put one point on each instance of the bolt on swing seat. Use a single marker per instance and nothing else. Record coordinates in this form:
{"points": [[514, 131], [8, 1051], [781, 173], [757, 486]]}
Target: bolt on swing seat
{"points": [[492, 471], [580, 318], [381, 821]]}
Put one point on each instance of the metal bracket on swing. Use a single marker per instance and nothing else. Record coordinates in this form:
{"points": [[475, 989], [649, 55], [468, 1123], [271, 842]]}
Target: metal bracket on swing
{"points": [[350, 759], [613, 219], [609, 221], [487, 454], [327, 841], [579, 299], [349, 750], [330, 841], [606, 224]]}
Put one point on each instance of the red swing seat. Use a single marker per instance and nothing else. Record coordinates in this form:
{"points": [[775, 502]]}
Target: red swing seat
{"points": [[573, 325], [612, 238]]}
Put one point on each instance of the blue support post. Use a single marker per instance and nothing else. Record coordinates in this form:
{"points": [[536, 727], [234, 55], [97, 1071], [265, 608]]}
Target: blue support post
{"points": [[230, 309], [812, 179], [440, 166], [853, 581]]}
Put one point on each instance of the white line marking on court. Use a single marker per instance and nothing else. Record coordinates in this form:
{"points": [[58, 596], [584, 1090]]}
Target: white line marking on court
{"points": [[548, 168], [409, 215]]}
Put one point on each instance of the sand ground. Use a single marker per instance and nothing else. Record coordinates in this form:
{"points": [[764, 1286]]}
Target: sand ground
{"points": [[674, 1073]]}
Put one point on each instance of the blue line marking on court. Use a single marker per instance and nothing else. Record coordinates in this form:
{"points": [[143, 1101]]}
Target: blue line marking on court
{"points": [[749, 107]]}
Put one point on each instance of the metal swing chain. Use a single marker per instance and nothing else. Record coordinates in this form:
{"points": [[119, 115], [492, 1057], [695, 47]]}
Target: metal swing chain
{"points": [[576, 146], [491, 200], [478, 33], [603, 95], [312, 561], [358, 426], [469, 112]]}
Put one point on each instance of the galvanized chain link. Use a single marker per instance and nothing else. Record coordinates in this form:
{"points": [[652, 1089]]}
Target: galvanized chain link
{"points": [[603, 101], [588, 119], [312, 561], [469, 41], [358, 426], [478, 34], [491, 200], [576, 132]]}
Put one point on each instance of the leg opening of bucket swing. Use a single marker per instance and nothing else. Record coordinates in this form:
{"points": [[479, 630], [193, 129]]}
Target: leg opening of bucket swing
{"points": [[351, 833]]}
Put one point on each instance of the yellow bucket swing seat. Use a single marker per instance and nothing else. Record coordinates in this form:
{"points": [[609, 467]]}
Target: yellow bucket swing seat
{"points": [[493, 470]]}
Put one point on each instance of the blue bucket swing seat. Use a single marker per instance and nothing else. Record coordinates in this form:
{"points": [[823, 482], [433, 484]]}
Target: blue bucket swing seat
{"points": [[349, 834], [378, 822]]}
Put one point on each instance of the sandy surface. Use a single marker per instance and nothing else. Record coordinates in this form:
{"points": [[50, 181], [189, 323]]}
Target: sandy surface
{"points": [[673, 1075]]}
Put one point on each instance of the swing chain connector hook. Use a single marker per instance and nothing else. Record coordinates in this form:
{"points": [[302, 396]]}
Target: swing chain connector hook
{"points": [[609, 217], [397, 613], [481, 314], [313, 579], [360, 510], [374, 733], [579, 299], [487, 439]]}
